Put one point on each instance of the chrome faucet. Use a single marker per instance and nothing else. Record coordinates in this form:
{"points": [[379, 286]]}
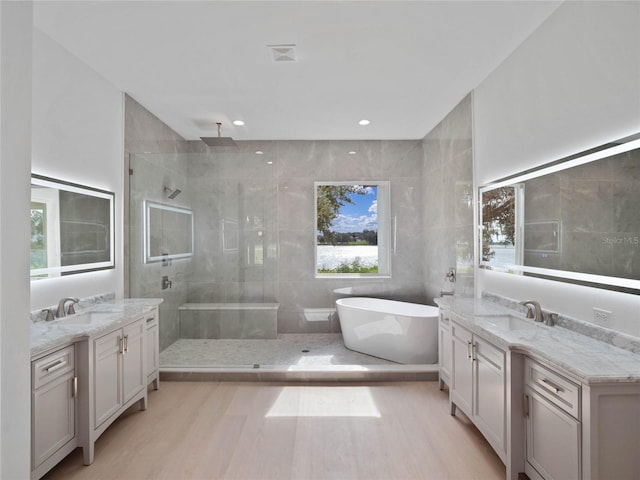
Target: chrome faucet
{"points": [[60, 311], [535, 312]]}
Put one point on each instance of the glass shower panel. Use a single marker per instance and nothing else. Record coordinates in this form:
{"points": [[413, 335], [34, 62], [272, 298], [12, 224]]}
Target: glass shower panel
{"points": [[233, 196]]}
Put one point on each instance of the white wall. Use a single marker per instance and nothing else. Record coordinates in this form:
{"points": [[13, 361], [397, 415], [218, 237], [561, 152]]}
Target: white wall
{"points": [[573, 84], [78, 125], [15, 144]]}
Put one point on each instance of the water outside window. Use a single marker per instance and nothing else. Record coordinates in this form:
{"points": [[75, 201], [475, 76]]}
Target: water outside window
{"points": [[352, 223]]}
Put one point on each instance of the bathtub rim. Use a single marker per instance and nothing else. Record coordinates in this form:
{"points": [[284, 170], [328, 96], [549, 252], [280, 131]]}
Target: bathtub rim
{"points": [[433, 311]]}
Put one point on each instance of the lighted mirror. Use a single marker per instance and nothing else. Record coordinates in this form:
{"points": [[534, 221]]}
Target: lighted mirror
{"points": [[574, 220], [353, 234], [168, 232], [72, 228]]}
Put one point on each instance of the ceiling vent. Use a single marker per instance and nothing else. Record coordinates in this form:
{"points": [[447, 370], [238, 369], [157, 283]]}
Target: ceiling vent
{"points": [[283, 53]]}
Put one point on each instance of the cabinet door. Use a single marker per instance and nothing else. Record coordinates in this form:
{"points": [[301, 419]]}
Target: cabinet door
{"points": [[152, 348], [489, 392], [552, 440], [444, 350], [461, 388], [134, 375], [107, 366], [53, 410]]}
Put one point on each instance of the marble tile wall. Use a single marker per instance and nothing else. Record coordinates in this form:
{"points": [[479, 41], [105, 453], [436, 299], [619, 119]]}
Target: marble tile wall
{"points": [[447, 184], [155, 153], [264, 204], [234, 193], [300, 164], [239, 324], [249, 207]]}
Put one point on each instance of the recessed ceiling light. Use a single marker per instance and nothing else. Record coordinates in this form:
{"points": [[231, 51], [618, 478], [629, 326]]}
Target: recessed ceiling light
{"points": [[269, 162], [352, 152], [364, 122], [259, 152], [238, 122]]}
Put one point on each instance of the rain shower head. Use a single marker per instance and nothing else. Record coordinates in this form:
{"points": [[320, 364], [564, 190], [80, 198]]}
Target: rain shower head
{"points": [[219, 141], [172, 193]]}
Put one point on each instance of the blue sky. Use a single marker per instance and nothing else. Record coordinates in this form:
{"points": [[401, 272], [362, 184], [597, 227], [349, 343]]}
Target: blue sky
{"points": [[360, 215]]}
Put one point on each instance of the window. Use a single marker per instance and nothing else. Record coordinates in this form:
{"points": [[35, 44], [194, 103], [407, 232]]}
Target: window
{"points": [[353, 225]]}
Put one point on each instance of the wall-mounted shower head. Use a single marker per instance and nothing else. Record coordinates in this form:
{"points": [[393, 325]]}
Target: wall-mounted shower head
{"points": [[219, 141], [171, 193]]}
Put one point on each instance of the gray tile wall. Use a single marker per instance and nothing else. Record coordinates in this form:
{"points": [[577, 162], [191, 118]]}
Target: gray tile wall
{"points": [[447, 184], [145, 137], [240, 198], [234, 195], [300, 164]]}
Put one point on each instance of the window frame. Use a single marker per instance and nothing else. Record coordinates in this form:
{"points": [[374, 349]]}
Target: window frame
{"points": [[386, 225]]}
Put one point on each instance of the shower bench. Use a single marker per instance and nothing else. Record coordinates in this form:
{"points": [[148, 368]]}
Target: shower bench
{"points": [[229, 320]]}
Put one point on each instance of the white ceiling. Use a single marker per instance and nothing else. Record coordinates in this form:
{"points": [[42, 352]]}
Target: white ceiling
{"points": [[402, 65]]}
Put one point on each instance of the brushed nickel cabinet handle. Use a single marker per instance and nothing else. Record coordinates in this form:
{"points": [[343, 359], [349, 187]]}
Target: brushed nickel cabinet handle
{"points": [[525, 405], [74, 390], [469, 355], [56, 366], [126, 344], [550, 385]]}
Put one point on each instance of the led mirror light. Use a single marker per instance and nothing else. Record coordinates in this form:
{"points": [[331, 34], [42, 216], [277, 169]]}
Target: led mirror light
{"points": [[530, 223], [364, 122]]}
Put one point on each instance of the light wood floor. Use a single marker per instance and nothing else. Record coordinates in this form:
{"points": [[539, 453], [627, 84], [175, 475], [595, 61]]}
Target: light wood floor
{"points": [[211, 430]]}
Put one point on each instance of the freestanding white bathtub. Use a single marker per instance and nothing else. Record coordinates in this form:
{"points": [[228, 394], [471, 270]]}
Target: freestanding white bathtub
{"points": [[398, 331]]}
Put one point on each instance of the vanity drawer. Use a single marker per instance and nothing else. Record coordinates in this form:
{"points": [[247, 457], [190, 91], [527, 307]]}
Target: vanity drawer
{"points": [[558, 389], [52, 366], [151, 319], [461, 333]]}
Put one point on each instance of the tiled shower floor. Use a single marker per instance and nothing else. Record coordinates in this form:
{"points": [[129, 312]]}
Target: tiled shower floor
{"points": [[313, 350]]}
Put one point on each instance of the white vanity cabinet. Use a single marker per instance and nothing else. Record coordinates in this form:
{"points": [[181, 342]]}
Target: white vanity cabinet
{"points": [[444, 350], [576, 430], [553, 404], [118, 369], [115, 378], [552, 424], [53, 409], [153, 349], [478, 384]]}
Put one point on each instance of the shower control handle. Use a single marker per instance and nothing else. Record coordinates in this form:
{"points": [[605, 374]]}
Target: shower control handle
{"points": [[166, 283]]}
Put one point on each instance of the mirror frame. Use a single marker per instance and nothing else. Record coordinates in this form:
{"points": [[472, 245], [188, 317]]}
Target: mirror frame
{"points": [[616, 147], [58, 184], [148, 258]]}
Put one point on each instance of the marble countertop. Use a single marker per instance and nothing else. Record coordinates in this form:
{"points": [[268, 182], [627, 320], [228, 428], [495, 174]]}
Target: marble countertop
{"points": [[104, 317], [588, 359]]}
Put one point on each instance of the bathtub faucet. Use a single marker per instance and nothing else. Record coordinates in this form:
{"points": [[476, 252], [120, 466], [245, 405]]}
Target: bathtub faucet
{"points": [[445, 292]]}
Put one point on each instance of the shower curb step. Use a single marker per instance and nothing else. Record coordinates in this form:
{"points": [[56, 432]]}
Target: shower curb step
{"points": [[265, 374]]}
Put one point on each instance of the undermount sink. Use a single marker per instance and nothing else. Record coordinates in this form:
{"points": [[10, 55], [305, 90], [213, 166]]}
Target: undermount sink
{"points": [[509, 322], [84, 318]]}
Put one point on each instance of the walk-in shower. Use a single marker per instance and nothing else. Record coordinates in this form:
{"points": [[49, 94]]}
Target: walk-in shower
{"points": [[225, 305]]}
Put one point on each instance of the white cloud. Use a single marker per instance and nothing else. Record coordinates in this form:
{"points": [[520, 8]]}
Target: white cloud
{"points": [[364, 189], [374, 207], [346, 223]]}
